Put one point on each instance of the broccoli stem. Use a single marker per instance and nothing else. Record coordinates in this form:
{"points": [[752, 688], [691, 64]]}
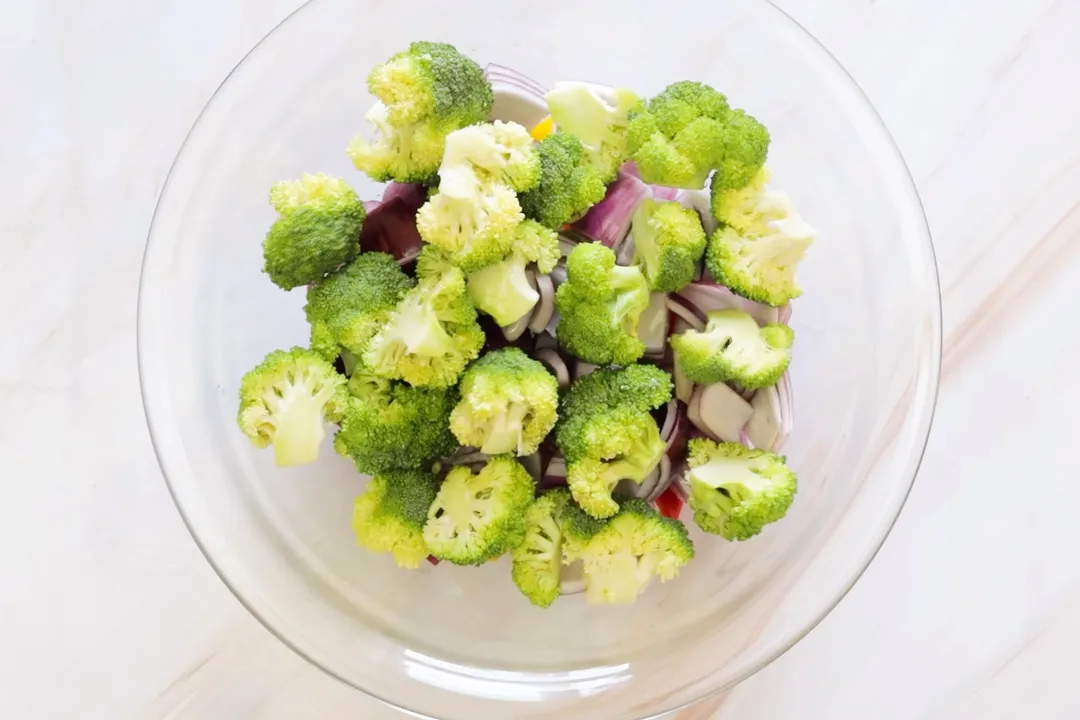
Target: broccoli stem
{"points": [[421, 330], [504, 430], [300, 430]]}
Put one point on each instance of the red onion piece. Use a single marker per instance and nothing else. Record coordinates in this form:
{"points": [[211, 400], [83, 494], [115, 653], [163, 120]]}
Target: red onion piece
{"points": [[391, 228], [518, 98], [494, 72], [662, 481], [545, 307], [686, 312], [700, 202], [608, 221], [744, 439], [677, 437], [664, 193], [669, 419], [627, 249], [785, 314], [719, 412], [532, 464], [554, 474], [706, 297], [413, 194], [786, 411], [630, 168], [370, 205], [551, 358], [433, 560]]}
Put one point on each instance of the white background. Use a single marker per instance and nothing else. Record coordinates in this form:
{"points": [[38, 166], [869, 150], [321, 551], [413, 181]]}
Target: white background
{"points": [[971, 610]]}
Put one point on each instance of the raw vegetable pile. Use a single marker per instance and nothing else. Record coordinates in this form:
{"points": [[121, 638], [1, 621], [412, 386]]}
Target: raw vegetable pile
{"points": [[543, 340]]}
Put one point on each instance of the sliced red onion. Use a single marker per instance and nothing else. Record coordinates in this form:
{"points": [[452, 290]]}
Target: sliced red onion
{"points": [[744, 439], [391, 228], [553, 325], [567, 243], [413, 194], [625, 254], [554, 474], [631, 489], [630, 168], [670, 416], [664, 193], [370, 205], [516, 329], [763, 428], [653, 325], [551, 358], [786, 410], [545, 308], [676, 439], [517, 98], [706, 297], [685, 312], [545, 341], [467, 456], [680, 483], [532, 464], [719, 412], [785, 314], [409, 257], [582, 368], [700, 202], [608, 221], [663, 481]]}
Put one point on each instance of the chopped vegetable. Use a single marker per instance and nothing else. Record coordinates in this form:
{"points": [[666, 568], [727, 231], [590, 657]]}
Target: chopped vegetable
{"points": [[538, 559], [389, 516], [598, 117], [668, 243], [732, 348], [502, 289], [287, 399], [568, 185], [735, 491]]}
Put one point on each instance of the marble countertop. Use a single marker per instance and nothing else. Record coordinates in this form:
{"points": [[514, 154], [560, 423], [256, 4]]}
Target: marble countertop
{"points": [[972, 608]]}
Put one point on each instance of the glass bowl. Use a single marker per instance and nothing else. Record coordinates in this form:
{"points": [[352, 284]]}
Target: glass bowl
{"points": [[461, 643]]}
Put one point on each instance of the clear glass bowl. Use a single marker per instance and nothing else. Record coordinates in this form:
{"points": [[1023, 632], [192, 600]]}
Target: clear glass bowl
{"points": [[460, 643]]}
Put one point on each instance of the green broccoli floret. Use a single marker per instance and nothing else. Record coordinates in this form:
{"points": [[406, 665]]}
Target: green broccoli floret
{"points": [[622, 555], [478, 517], [746, 146], [736, 491], [537, 560], [286, 400], [474, 231], [399, 428], [347, 308], [668, 244], [508, 404], [431, 335], [568, 184], [599, 307], [688, 130], [407, 154], [389, 516], [317, 230], [732, 348], [598, 117], [491, 152], [503, 290], [431, 79], [606, 433], [761, 239]]}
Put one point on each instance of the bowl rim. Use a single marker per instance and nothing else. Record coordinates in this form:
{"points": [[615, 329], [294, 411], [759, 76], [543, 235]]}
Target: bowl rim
{"points": [[934, 381]]}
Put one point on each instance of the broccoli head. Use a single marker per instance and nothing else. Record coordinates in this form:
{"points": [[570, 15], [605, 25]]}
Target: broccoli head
{"points": [[599, 307], [474, 231], [389, 516], [397, 427], [736, 491], [508, 404], [732, 348], [668, 244], [493, 152], [345, 309], [286, 401], [537, 560], [622, 555], [607, 434], [761, 239], [598, 117], [317, 230], [503, 290], [431, 335], [432, 80], [688, 130], [568, 184], [406, 154], [477, 517]]}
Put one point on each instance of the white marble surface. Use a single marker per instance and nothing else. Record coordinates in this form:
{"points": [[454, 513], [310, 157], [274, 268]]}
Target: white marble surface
{"points": [[971, 610]]}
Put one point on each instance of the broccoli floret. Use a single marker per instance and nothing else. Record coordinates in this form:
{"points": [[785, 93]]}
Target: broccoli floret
{"points": [[396, 428], [508, 404], [478, 517], [407, 154], [347, 308], [736, 491], [317, 230], [746, 146], [732, 348], [389, 516], [622, 555], [568, 184], [474, 231], [286, 400], [688, 130], [757, 248], [537, 560], [598, 117], [668, 244], [492, 152], [431, 335], [606, 433], [432, 79], [503, 290], [599, 307]]}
